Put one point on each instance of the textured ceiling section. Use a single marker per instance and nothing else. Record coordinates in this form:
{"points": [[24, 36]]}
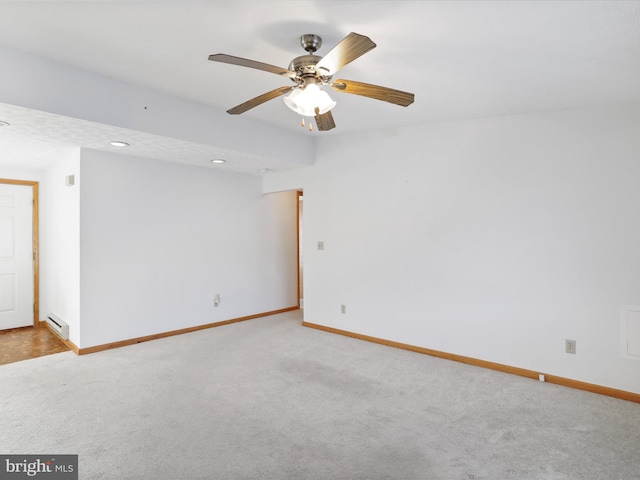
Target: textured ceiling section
{"points": [[33, 139]]}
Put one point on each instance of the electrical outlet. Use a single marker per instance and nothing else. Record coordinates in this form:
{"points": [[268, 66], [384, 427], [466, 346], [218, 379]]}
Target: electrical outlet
{"points": [[320, 245], [570, 346], [343, 309]]}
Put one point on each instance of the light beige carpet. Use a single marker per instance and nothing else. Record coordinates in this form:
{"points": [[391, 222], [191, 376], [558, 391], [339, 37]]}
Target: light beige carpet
{"points": [[270, 399]]}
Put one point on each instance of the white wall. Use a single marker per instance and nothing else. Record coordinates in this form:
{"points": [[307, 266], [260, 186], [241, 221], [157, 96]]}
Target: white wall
{"points": [[17, 173], [160, 239], [60, 244], [495, 238], [247, 231]]}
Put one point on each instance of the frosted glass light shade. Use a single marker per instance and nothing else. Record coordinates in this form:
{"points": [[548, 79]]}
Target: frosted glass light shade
{"points": [[305, 100]]}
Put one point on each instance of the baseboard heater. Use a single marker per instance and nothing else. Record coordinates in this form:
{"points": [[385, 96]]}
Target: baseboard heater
{"points": [[58, 326]]}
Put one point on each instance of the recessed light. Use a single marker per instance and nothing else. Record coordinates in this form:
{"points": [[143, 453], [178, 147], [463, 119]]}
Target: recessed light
{"points": [[4, 124], [118, 143], [264, 170], [218, 160]]}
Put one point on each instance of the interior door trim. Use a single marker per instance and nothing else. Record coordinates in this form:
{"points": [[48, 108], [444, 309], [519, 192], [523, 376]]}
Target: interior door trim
{"points": [[299, 212], [36, 255]]}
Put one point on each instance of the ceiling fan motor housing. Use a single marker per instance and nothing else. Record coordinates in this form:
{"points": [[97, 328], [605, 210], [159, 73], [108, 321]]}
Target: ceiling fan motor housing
{"points": [[305, 65]]}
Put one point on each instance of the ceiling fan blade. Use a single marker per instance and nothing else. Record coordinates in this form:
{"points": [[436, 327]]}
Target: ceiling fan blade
{"points": [[254, 102], [385, 94], [346, 51], [245, 62], [325, 121]]}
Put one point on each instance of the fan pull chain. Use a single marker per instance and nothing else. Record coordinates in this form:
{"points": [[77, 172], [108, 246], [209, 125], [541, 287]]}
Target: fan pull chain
{"points": [[310, 124]]}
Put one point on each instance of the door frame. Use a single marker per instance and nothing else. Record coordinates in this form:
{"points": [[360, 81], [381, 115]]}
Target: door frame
{"points": [[299, 213], [35, 246]]}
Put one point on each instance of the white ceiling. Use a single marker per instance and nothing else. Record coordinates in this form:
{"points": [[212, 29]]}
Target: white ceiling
{"points": [[462, 59]]}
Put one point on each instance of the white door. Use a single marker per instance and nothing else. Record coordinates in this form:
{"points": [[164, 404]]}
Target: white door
{"points": [[16, 256]]}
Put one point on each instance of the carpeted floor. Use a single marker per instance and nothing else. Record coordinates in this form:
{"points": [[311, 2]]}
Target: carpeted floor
{"points": [[270, 399]]}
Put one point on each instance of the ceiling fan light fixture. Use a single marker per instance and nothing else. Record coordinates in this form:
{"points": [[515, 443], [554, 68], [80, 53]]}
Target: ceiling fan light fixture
{"points": [[310, 73], [304, 100]]}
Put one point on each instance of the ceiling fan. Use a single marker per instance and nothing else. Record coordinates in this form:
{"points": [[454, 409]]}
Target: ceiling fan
{"points": [[310, 72]]}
